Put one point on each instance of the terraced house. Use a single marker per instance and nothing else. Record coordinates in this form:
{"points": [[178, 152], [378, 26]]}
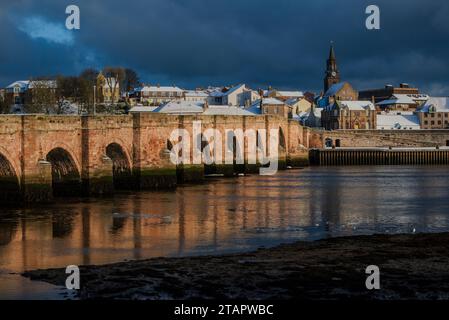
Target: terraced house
{"points": [[434, 114], [156, 95]]}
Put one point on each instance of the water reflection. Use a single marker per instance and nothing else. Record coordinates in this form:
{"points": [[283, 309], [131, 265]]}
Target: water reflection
{"points": [[227, 215]]}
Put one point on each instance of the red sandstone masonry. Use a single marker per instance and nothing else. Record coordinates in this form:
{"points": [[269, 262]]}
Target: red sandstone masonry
{"points": [[26, 141]]}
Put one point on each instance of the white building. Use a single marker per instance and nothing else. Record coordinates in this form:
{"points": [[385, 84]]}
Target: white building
{"points": [[403, 102], [156, 95], [398, 121], [236, 96], [195, 96]]}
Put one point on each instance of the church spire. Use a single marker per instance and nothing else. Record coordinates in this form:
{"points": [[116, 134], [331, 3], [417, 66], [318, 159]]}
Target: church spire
{"points": [[332, 73], [332, 52]]}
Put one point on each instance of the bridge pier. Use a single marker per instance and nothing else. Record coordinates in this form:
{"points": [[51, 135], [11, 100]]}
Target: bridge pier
{"points": [[100, 181], [37, 187], [298, 160], [156, 178], [163, 176], [188, 173]]}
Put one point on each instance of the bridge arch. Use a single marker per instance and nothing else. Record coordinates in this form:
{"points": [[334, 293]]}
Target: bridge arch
{"points": [[121, 166], [9, 181], [66, 178]]}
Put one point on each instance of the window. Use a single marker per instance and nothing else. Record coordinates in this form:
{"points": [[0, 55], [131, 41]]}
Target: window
{"points": [[432, 122], [426, 122]]}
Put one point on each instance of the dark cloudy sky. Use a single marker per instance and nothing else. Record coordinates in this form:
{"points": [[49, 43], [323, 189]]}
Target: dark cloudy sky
{"points": [[199, 42]]}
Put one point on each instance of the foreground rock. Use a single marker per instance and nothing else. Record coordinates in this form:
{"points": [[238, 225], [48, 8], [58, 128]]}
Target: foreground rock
{"points": [[411, 266]]}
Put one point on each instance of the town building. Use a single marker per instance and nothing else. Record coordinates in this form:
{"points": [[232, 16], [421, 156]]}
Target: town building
{"points": [[339, 91], [298, 105], [402, 102], [434, 114], [195, 95], [108, 89], [156, 95], [20, 93], [271, 106], [236, 96], [398, 121], [16, 92], [283, 95], [386, 93], [349, 115]]}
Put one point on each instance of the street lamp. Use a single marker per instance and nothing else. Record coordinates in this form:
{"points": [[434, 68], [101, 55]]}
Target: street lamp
{"points": [[95, 100]]}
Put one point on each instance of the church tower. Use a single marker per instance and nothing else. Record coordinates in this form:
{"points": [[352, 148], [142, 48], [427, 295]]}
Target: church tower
{"points": [[332, 73]]}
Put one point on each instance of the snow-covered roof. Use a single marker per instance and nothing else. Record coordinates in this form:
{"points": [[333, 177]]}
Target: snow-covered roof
{"points": [[160, 89], [142, 109], [395, 100], [414, 97], [219, 110], [255, 107], [291, 101], [296, 94], [441, 104], [233, 89], [193, 93], [42, 84], [404, 99], [334, 89], [216, 93], [21, 83], [396, 121], [352, 105], [181, 107], [272, 101]]}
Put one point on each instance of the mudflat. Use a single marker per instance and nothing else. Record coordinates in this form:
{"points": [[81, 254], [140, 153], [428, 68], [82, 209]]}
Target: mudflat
{"points": [[412, 266]]}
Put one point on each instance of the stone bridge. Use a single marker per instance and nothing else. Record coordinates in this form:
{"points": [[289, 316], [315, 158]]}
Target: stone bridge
{"points": [[45, 156]]}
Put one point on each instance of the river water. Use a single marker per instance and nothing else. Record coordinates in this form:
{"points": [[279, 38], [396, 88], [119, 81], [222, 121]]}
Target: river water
{"points": [[220, 216]]}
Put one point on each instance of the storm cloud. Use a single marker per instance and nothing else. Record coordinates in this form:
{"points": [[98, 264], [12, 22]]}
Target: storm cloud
{"points": [[193, 43]]}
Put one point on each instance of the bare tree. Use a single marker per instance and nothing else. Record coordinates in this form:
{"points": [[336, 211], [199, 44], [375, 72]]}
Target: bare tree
{"points": [[4, 107], [130, 81], [41, 96]]}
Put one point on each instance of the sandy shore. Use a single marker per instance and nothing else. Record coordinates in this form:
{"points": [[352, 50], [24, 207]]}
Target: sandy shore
{"points": [[411, 267]]}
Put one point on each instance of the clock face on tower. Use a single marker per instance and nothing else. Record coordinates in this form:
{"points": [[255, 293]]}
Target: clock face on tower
{"points": [[334, 73]]}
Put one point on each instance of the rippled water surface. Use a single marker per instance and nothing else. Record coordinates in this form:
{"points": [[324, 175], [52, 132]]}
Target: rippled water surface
{"points": [[225, 215]]}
